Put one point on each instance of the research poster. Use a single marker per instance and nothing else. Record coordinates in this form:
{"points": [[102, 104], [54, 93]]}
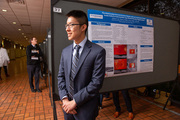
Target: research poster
{"points": [[127, 39]]}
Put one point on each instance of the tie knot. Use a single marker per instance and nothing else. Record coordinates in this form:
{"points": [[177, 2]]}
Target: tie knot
{"points": [[77, 47]]}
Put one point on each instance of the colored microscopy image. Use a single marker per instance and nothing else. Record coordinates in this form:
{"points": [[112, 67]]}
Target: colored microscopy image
{"points": [[120, 49], [120, 64], [131, 65], [125, 58], [131, 58], [131, 51]]}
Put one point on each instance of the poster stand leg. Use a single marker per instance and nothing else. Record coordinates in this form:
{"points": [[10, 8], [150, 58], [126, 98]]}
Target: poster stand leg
{"points": [[174, 86]]}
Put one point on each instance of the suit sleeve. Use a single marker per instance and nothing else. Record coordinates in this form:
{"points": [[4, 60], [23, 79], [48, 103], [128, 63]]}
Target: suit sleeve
{"points": [[40, 52], [61, 79], [92, 89], [28, 52]]}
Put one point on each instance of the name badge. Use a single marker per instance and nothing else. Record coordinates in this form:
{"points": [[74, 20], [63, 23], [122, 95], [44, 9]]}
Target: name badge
{"points": [[34, 51], [34, 58]]}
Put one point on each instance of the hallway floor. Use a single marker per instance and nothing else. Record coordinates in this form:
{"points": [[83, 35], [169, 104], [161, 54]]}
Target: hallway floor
{"points": [[143, 108], [17, 102]]}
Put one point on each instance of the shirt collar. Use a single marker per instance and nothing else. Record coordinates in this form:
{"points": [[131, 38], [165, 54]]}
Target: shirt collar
{"points": [[82, 43], [33, 45]]}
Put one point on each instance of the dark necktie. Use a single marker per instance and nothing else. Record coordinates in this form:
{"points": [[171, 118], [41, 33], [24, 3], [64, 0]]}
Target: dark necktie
{"points": [[75, 60]]}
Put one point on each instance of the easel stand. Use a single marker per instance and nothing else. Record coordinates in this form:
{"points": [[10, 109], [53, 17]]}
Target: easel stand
{"points": [[174, 86]]}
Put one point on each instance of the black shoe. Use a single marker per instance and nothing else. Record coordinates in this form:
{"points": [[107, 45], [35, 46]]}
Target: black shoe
{"points": [[38, 90], [33, 90]]}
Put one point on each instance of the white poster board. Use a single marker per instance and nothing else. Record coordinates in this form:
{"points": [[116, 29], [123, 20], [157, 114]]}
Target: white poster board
{"points": [[128, 40]]}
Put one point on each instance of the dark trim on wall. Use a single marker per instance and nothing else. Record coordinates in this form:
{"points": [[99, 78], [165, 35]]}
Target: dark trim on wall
{"points": [[134, 3]]}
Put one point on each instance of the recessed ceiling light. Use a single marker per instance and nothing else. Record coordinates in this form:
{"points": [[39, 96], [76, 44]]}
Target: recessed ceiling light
{"points": [[22, 33], [14, 23], [19, 29], [4, 10]]}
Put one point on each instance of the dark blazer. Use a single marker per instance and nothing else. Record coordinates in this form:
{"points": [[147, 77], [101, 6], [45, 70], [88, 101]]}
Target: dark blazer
{"points": [[87, 81], [30, 53]]}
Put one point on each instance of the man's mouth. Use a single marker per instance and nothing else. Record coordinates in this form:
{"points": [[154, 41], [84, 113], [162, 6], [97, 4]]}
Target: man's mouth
{"points": [[69, 34]]}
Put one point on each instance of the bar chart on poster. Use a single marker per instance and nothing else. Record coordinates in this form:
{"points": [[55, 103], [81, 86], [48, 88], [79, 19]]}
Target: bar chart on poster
{"points": [[128, 40]]}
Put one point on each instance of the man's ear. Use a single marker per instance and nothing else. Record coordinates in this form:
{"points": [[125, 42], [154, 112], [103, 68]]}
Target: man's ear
{"points": [[83, 27]]}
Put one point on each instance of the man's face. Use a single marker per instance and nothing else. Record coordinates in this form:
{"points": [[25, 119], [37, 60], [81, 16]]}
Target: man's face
{"points": [[34, 41], [74, 32]]}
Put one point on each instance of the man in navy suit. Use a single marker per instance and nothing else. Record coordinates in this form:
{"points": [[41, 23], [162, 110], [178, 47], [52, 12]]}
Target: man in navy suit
{"points": [[80, 98]]}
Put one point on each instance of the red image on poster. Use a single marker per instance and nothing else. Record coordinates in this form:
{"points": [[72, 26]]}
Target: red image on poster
{"points": [[120, 49], [120, 64], [131, 51], [132, 65]]}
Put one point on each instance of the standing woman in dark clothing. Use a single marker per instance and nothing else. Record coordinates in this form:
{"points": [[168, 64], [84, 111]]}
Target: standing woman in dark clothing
{"points": [[33, 53]]}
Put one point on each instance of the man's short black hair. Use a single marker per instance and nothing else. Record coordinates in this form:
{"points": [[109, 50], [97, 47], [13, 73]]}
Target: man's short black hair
{"points": [[80, 16]]}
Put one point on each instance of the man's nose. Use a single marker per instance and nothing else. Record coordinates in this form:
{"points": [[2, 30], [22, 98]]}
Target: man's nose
{"points": [[68, 28]]}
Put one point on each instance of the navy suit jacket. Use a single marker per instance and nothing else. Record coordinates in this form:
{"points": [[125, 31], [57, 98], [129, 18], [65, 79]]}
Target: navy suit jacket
{"points": [[88, 79]]}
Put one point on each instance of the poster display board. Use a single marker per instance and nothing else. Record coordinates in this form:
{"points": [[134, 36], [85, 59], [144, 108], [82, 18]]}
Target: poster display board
{"points": [[153, 47], [128, 40]]}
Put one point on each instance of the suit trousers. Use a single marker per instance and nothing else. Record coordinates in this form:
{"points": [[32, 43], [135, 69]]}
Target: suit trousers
{"points": [[127, 100], [33, 70]]}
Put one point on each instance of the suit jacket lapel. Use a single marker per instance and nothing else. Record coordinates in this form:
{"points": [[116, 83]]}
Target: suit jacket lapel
{"points": [[69, 58], [85, 52]]}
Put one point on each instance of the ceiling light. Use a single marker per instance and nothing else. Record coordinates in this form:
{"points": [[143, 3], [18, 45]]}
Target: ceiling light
{"points": [[24, 36], [22, 33], [4, 10], [19, 29], [14, 23]]}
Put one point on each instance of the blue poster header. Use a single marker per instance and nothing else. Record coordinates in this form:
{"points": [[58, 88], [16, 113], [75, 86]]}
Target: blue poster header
{"points": [[109, 17]]}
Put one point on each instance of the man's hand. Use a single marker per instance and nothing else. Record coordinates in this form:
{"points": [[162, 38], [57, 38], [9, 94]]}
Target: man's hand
{"points": [[73, 112], [69, 106]]}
